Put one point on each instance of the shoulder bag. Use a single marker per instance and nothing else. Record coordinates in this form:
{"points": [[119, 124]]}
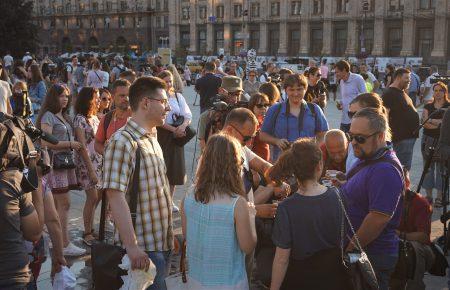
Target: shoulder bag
{"points": [[63, 159], [178, 120], [106, 274], [359, 269]]}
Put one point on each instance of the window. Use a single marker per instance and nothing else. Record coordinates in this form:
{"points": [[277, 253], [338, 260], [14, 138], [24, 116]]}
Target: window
{"points": [[219, 11], [202, 41], [59, 9], [53, 22], [342, 6], [254, 39], [318, 7], [340, 41], [68, 8], [274, 41], [66, 23], [79, 22], [81, 7], [166, 21], [275, 9], [294, 42], [316, 41], [121, 22], [123, 5], [93, 23], [185, 39], [166, 5], [368, 40], [42, 10], [427, 4], [254, 12], [185, 11], [108, 6], [157, 5], [425, 42], [296, 7], [394, 41], [219, 40], [202, 12], [237, 10], [396, 5], [95, 7], [106, 22]]}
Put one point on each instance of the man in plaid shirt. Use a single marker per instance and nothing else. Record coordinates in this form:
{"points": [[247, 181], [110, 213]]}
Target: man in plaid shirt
{"points": [[153, 236]]}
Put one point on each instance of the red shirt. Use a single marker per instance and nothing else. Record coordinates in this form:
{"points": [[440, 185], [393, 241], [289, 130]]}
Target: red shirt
{"points": [[329, 164], [260, 148], [419, 215], [114, 125]]}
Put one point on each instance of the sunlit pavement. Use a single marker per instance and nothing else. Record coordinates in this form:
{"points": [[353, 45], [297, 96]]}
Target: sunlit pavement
{"points": [[81, 266]]}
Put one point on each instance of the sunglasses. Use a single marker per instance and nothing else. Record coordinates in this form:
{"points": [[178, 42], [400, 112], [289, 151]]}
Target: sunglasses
{"points": [[351, 114], [245, 138], [359, 138], [260, 106]]}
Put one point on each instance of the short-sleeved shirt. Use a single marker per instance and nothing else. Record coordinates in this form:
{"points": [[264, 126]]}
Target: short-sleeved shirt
{"points": [[5, 95], [415, 83], [14, 204], [61, 129], [435, 133], [350, 89], [377, 187], [281, 125], [207, 87], [101, 136], [308, 224], [419, 215], [154, 229], [403, 117]]}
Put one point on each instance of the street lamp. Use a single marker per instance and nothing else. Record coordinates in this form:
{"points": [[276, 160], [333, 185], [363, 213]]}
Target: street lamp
{"points": [[365, 8]]}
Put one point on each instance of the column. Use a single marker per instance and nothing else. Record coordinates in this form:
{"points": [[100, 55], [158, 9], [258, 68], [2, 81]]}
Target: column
{"points": [[193, 28], [210, 39], [263, 32], [284, 12], [304, 37], [409, 30], [174, 25], [379, 30], [227, 37], [440, 30], [352, 37], [327, 33]]}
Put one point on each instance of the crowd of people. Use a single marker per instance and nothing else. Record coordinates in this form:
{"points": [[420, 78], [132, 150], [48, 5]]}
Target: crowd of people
{"points": [[265, 204]]}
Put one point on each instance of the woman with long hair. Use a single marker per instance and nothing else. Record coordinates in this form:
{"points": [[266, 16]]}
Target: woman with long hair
{"points": [[37, 88], [307, 229], [87, 160], [178, 85], [19, 72], [218, 223], [272, 91], [258, 104], [174, 154], [53, 119], [105, 103], [317, 90], [431, 133]]}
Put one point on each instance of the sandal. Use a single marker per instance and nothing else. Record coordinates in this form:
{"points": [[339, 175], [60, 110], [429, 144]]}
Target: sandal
{"points": [[88, 241]]}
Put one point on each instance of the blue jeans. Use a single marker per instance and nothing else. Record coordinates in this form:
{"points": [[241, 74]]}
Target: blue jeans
{"points": [[404, 150], [345, 127], [384, 266], [162, 263]]}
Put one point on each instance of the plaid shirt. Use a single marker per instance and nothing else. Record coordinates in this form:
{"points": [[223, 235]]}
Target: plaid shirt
{"points": [[154, 204]]}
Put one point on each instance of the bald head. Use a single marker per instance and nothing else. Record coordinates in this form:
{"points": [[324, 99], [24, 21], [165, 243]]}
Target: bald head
{"points": [[336, 144]]}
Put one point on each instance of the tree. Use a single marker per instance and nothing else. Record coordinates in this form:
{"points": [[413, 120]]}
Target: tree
{"points": [[18, 34]]}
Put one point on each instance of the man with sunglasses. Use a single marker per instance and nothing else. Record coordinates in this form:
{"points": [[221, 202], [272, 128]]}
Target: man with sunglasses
{"points": [[372, 192]]}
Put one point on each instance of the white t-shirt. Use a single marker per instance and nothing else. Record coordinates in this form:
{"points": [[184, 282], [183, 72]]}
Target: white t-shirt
{"points": [[26, 58], [95, 79], [5, 94], [8, 60], [248, 156], [105, 76]]}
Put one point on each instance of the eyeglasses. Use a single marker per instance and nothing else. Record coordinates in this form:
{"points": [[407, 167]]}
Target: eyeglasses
{"points": [[245, 138], [351, 114], [360, 138], [260, 106], [164, 102]]}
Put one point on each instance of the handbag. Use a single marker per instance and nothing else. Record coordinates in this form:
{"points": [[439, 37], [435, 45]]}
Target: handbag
{"points": [[178, 281], [440, 265], [178, 120], [406, 265], [63, 159], [106, 274], [359, 269]]}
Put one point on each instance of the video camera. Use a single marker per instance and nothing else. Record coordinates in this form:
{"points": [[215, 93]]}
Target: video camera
{"points": [[28, 127], [444, 79]]}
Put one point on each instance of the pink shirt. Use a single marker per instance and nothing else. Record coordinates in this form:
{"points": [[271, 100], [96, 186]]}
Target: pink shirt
{"points": [[324, 71]]}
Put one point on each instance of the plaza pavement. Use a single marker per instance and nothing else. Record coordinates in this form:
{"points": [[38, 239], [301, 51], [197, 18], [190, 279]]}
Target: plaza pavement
{"points": [[81, 266]]}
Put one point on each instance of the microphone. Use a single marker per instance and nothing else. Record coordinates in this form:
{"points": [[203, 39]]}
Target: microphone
{"points": [[444, 138]]}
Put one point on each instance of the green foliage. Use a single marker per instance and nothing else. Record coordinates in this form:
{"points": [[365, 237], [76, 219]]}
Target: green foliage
{"points": [[18, 33]]}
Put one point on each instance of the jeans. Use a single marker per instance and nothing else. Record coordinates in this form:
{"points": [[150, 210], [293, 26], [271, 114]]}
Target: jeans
{"points": [[345, 127], [404, 150], [162, 263], [383, 265]]}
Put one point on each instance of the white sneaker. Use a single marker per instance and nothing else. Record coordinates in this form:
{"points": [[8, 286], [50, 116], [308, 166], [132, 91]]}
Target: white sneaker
{"points": [[175, 208], [71, 250]]}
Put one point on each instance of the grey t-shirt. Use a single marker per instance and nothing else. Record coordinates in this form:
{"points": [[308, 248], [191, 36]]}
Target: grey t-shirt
{"points": [[14, 271], [59, 128], [308, 224]]}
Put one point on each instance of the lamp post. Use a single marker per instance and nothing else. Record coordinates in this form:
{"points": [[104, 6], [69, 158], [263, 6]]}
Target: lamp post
{"points": [[365, 8]]}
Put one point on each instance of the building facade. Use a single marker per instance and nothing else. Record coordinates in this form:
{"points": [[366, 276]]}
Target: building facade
{"points": [[313, 27], [101, 25]]}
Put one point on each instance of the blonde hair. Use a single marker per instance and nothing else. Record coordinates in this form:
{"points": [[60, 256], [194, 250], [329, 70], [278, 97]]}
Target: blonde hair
{"points": [[177, 81], [21, 85], [219, 169]]}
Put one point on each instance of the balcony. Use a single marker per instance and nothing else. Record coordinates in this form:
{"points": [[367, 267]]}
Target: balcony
{"points": [[74, 10]]}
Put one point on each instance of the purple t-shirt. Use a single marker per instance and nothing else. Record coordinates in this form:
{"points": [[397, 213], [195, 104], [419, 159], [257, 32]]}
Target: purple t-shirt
{"points": [[377, 187]]}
